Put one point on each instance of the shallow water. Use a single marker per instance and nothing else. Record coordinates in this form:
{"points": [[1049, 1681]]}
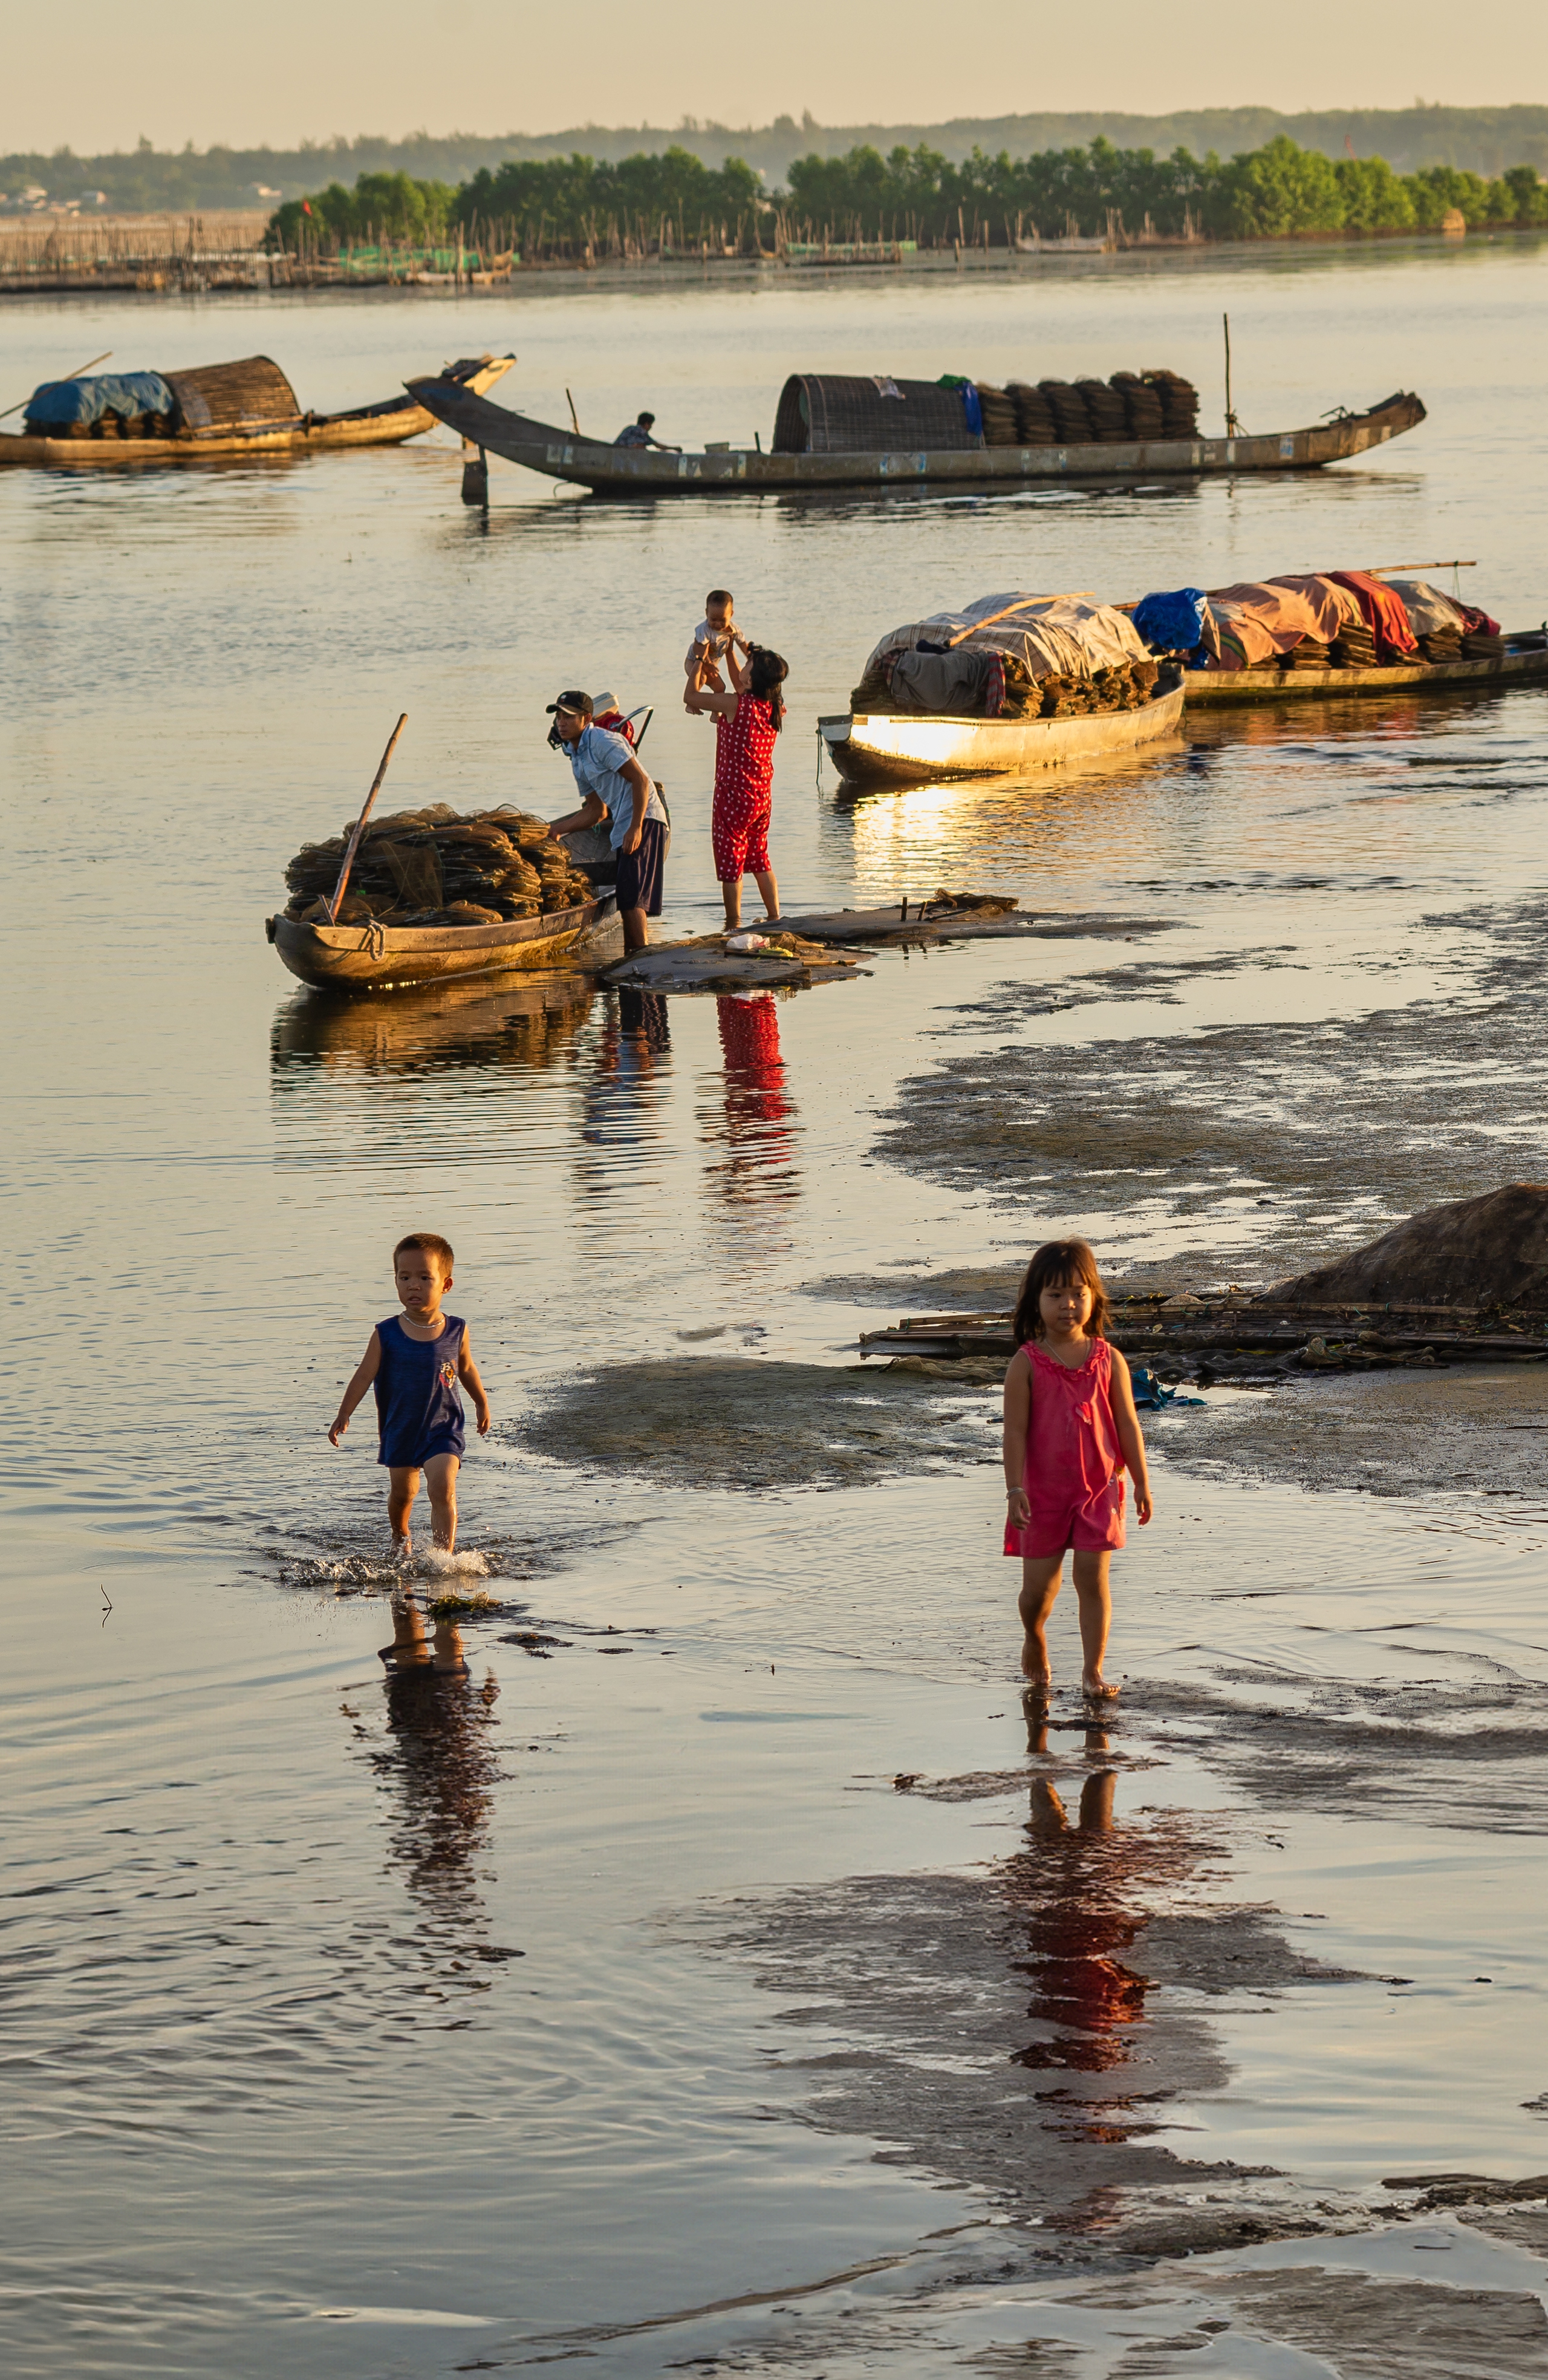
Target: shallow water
{"points": [[377, 2027]]}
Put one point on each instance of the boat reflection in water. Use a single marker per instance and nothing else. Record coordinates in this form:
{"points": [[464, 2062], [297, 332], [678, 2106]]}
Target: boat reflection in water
{"points": [[907, 840], [526, 1021], [750, 1132], [486, 1068]]}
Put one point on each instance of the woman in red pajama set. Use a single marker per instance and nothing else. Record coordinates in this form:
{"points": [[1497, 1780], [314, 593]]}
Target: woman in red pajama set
{"points": [[1071, 1432], [746, 721]]}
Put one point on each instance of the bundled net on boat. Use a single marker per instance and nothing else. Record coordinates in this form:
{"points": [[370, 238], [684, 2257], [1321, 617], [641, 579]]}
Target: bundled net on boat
{"points": [[440, 866], [821, 414]]}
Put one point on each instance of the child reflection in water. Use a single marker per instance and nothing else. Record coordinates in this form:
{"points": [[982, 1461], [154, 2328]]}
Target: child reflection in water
{"points": [[1070, 1431], [758, 1112], [1073, 1883]]}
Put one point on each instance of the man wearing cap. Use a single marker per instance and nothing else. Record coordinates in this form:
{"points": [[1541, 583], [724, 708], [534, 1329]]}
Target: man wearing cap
{"points": [[612, 781]]}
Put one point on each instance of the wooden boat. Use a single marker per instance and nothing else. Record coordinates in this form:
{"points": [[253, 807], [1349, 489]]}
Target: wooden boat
{"points": [[641, 471], [1523, 662], [373, 957], [250, 409], [897, 748]]}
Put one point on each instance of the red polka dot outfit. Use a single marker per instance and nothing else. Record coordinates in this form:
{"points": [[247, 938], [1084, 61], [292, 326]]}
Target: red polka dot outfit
{"points": [[744, 789]]}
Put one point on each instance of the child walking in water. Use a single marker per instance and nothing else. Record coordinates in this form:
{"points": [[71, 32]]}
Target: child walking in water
{"points": [[414, 1361], [1070, 1431]]}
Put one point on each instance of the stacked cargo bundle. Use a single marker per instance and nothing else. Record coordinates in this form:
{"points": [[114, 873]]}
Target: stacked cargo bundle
{"points": [[1179, 403], [1355, 646], [1308, 654], [437, 866], [1105, 411], [998, 410], [1125, 686], [1143, 413], [1481, 645], [1034, 422], [1068, 406], [1442, 645]]}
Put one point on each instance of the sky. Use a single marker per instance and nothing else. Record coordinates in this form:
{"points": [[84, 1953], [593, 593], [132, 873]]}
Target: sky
{"points": [[313, 68]]}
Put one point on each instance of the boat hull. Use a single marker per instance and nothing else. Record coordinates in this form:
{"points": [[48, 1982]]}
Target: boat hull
{"points": [[639, 470], [368, 425], [892, 748], [1523, 662], [380, 958]]}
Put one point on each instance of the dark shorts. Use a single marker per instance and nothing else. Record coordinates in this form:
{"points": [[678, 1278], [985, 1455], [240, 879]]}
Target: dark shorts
{"points": [[642, 873]]}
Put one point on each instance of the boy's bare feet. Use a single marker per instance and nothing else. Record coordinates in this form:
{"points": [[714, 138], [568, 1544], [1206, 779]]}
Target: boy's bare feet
{"points": [[1097, 1690]]}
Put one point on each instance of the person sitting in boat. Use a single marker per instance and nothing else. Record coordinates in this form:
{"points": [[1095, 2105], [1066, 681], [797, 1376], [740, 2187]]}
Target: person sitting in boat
{"points": [[637, 433], [613, 784]]}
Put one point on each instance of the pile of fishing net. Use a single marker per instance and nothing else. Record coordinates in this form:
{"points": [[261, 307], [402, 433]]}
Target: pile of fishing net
{"points": [[1130, 408], [440, 866]]}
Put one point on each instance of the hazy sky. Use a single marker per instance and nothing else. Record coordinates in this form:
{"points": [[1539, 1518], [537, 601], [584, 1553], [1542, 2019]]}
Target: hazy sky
{"points": [[300, 69]]}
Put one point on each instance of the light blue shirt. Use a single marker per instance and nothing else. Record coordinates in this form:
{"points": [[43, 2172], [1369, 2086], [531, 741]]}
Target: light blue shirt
{"points": [[598, 758]]}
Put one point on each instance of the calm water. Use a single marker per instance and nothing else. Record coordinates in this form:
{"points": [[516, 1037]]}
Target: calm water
{"points": [[372, 2036]]}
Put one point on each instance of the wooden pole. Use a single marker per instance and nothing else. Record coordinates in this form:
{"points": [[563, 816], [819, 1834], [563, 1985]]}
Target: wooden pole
{"points": [[1230, 417], [354, 843], [574, 421]]}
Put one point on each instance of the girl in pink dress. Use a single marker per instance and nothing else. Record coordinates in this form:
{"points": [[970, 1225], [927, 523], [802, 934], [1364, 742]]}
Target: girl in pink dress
{"points": [[746, 721], [1071, 1432]]}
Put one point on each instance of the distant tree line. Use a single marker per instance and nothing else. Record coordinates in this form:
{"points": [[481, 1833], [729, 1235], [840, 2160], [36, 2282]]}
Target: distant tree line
{"points": [[145, 180], [1275, 192], [672, 204]]}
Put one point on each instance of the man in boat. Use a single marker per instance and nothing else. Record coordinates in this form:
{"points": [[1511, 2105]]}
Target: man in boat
{"points": [[613, 784], [637, 433]]}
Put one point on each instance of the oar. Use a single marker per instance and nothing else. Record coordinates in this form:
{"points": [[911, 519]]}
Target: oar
{"points": [[352, 845], [1396, 569], [75, 375]]}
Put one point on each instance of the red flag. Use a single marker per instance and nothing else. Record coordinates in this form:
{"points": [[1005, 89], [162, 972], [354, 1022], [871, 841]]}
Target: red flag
{"points": [[306, 206], [1348, 144]]}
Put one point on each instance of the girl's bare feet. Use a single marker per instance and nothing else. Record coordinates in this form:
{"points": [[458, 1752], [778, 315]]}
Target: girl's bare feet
{"points": [[1096, 1690], [1034, 1664]]}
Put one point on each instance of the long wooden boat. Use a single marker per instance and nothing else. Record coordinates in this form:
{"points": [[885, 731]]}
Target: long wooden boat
{"points": [[1523, 662], [374, 957], [640, 471], [906, 749], [250, 408]]}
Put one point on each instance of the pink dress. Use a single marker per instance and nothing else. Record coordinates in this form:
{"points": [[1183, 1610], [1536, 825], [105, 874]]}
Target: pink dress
{"points": [[1073, 1472]]}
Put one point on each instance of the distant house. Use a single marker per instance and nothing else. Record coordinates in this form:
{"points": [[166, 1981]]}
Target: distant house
{"points": [[91, 199], [35, 195], [261, 190]]}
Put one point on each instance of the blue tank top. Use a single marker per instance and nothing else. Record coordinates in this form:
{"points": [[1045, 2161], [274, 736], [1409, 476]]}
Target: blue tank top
{"points": [[417, 1408]]}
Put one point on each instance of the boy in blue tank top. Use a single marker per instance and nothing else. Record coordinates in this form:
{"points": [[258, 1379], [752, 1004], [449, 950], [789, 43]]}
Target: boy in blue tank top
{"points": [[414, 1362]]}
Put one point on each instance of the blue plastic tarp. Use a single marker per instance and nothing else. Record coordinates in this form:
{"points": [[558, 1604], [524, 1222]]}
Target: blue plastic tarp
{"points": [[1174, 622], [59, 402]]}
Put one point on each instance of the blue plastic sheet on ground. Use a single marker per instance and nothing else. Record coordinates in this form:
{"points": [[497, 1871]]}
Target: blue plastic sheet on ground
{"points": [[60, 401], [1150, 1394], [1174, 622]]}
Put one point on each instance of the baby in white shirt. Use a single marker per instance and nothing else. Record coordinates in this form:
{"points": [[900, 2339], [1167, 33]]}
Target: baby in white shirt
{"points": [[716, 638]]}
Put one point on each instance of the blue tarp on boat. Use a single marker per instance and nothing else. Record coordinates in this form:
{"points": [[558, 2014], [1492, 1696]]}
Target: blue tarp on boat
{"points": [[1172, 623], [59, 402]]}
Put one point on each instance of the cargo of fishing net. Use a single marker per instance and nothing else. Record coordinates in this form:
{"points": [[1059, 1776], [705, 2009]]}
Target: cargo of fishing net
{"points": [[440, 866]]}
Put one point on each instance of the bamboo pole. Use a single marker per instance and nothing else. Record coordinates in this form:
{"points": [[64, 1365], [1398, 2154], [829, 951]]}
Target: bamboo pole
{"points": [[354, 843]]}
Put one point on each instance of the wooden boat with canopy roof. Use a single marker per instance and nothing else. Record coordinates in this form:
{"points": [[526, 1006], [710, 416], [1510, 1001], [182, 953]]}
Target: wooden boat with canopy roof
{"points": [[247, 407]]}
